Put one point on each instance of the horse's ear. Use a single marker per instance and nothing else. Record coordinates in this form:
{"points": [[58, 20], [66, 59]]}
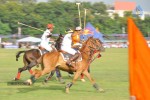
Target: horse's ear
{"points": [[60, 34]]}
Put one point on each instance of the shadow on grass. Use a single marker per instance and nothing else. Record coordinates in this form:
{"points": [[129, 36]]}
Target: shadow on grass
{"points": [[52, 84], [53, 88], [35, 88]]}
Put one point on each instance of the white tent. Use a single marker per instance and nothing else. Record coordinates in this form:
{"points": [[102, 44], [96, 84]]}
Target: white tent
{"points": [[29, 39]]}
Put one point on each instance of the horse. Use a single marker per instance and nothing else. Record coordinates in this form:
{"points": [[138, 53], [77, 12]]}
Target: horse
{"points": [[52, 60], [30, 57]]}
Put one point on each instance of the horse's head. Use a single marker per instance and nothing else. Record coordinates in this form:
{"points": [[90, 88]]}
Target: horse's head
{"points": [[99, 45], [93, 45], [59, 41], [61, 36]]}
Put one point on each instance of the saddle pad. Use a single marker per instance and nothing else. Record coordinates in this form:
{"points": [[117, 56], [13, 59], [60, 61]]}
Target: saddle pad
{"points": [[42, 52]]}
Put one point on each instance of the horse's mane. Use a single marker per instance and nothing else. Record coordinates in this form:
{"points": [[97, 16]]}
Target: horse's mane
{"points": [[85, 43], [58, 42]]}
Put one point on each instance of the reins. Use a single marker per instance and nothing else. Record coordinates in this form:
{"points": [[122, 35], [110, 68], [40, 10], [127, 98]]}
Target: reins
{"points": [[91, 50]]}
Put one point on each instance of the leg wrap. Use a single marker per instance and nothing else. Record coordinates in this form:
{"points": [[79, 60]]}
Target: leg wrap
{"points": [[69, 85], [96, 86], [58, 74], [46, 79], [30, 71], [33, 78]]}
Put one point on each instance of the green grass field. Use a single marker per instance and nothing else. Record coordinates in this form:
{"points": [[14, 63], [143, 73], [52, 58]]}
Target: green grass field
{"points": [[110, 72]]}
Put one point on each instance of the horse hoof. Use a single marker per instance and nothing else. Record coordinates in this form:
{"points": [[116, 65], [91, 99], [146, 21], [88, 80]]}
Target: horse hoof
{"points": [[83, 80], [101, 90], [67, 90], [28, 82]]}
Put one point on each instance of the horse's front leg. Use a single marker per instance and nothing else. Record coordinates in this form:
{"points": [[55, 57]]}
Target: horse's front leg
{"points": [[77, 74], [95, 85], [58, 76], [50, 76]]}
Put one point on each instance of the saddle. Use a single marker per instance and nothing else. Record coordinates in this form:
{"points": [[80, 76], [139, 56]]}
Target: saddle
{"points": [[42, 50], [66, 56]]}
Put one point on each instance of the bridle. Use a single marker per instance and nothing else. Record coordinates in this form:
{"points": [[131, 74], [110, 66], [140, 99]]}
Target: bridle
{"points": [[94, 46]]}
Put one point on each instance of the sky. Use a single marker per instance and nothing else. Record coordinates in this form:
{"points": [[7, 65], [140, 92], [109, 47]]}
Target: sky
{"points": [[145, 4]]}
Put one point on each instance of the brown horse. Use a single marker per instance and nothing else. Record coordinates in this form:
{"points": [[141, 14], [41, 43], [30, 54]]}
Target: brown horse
{"points": [[30, 57], [53, 60]]}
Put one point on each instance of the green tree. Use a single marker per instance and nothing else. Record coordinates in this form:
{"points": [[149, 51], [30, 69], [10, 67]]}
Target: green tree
{"points": [[4, 29], [62, 15], [99, 7]]}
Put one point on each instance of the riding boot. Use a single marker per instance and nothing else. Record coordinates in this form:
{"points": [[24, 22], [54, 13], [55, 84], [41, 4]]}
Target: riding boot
{"points": [[73, 58]]}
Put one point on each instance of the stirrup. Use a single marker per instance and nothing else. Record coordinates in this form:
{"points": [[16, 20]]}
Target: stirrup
{"points": [[68, 63]]}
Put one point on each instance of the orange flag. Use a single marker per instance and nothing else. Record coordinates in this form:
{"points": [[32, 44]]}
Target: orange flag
{"points": [[139, 64]]}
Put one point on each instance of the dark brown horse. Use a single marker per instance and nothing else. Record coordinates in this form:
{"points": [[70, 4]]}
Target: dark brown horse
{"points": [[52, 60], [30, 57]]}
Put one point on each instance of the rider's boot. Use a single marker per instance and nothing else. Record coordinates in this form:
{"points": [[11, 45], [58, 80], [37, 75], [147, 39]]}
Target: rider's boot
{"points": [[73, 58]]}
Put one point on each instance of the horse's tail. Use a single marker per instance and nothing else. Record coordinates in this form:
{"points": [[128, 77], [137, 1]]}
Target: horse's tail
{"points": [[18, 54]]}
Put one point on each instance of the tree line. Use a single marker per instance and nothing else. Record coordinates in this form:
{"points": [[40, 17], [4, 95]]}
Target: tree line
{"points": [[63, 15]]}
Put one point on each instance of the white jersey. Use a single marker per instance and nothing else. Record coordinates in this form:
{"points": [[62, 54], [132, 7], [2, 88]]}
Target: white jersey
{"points": [[45, 40], [66, 44]]}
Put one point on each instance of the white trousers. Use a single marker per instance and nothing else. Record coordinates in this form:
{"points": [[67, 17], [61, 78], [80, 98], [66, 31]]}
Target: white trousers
{"points": [[46, 46], [69, 50]]}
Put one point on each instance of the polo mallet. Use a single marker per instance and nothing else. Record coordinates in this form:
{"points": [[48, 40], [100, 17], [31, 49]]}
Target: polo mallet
{"points": [[30, 26]]}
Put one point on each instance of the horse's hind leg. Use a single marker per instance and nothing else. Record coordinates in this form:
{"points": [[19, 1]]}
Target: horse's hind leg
{"points": [[19, 72], [95, 85], [59, 76], [30, 71], [27, 66], [36, 74], [32, 64]]}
